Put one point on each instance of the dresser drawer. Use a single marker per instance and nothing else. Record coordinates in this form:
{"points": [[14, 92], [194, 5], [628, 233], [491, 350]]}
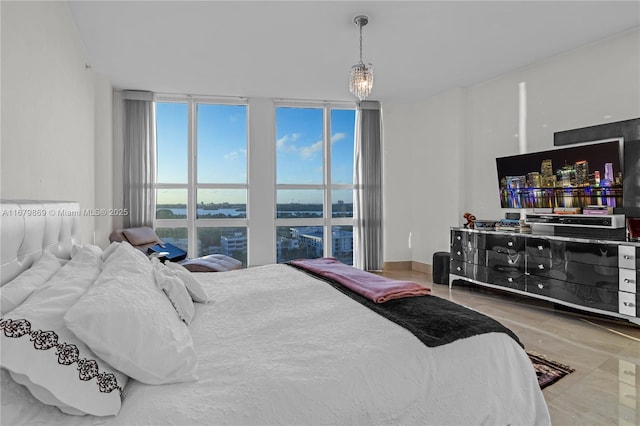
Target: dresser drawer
{"points": [[539, 247], [503, 276], [582, 295], [628, 303], [544, 248], [628, 280], [461, 238], [547, 267], [493, 259], [500, 243], [591, 253], [628, 257], [465, 254], [463, 269], [589, 275]]}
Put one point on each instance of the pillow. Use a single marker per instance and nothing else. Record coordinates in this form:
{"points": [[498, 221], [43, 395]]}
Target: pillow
{"points": [[107, 252], [47, 358], [194, 287], [140, 236], [128, 321], [93, 248], [17, 290], [174, 289]]}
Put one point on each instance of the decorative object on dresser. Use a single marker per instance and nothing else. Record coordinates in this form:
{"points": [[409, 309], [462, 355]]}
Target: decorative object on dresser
{"points": [[594, 275], [485, 224], [471, 220]]}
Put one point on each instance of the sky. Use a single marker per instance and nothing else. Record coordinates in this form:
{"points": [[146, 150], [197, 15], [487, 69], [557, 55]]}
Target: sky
{"points": [[222, 151]]}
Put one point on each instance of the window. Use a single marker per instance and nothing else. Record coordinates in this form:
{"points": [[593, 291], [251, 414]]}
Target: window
{"points": [[314, 182], [201, 179]]}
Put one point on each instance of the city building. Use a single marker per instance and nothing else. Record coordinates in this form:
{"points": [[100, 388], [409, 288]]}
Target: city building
{"points": [[582, 173]]}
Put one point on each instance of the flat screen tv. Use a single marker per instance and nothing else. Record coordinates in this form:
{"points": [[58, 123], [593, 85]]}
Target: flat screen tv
{"points": [[576, 176]]}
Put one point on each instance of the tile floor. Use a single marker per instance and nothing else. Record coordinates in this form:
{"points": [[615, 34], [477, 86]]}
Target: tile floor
{"points": [[605, 387]]}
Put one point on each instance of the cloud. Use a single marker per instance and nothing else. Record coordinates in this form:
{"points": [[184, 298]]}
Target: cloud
{"points": [[308, 151], [286, 142], [234, 155], [338, 136]]}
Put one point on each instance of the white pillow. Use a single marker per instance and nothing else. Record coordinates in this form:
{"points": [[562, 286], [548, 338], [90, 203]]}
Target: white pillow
{"points": [[75, 249], [107, 252], [194, 287], [128, 321], [17, 290], [46, 357], [174, 289]]}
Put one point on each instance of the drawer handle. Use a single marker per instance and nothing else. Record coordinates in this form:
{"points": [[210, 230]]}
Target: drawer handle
{"points": [[629, 304], [627, 257], [540, 248], [510, 243], [540, 286], [510, 279], [458, 252], [458, 238], [627, 281], [458, 269], [540, 266]]}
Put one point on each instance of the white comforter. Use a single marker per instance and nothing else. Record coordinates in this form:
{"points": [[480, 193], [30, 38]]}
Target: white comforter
{"points": [[279, 347]]}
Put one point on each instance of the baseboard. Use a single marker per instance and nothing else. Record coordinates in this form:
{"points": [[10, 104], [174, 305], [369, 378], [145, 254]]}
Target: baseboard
{"points": [[403, 265], [408, 265]]}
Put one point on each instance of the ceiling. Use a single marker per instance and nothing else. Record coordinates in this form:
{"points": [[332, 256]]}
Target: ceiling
{"points": [[305, 49]]}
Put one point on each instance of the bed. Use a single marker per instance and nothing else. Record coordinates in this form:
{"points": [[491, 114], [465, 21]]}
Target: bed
{"points": [[272, 345]]}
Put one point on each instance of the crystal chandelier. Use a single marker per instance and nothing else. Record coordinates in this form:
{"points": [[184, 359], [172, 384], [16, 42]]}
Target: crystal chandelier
{"points": [[361, 78]]}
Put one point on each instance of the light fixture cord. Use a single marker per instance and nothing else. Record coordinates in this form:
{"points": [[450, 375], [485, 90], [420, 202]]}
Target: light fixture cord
{"points": [[360, 25]]}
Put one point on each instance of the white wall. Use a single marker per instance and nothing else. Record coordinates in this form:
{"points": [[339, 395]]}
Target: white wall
{"points": [[399, 123], [592, 85], [104, 182], [262, 158], [48, 108], [422, 164], [454, 138]]}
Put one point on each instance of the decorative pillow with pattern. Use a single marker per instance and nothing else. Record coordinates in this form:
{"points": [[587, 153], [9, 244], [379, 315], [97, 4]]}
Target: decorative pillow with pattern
{"points": [[41, 353]]}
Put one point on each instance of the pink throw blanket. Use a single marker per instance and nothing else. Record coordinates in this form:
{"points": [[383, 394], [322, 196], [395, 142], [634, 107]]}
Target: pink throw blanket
{"points": [[375, 287]]}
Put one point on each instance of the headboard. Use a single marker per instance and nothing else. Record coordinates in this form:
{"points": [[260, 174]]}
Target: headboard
{"points": [[28, 227]]}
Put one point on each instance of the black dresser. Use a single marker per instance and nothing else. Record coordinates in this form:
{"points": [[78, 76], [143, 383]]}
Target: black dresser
{"points": [[595, 275]]}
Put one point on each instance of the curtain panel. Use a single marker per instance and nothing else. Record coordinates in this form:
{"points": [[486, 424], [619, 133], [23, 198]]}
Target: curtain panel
{"points": [[367, 200], [139, 159]]}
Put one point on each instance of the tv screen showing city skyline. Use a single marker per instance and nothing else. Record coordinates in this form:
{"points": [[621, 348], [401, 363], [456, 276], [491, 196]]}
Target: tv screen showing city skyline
{"points": [[576, 177]]}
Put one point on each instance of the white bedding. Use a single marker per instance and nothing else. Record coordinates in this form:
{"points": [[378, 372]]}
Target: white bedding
{"points": [[279, 347]]}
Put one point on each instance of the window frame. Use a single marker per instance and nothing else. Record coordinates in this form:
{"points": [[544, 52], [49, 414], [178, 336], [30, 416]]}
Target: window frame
{"points": [[192, 223], [327, 221]]}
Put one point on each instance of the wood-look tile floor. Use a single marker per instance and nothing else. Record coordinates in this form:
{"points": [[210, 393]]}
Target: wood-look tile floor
{"points": [[604, 389]]}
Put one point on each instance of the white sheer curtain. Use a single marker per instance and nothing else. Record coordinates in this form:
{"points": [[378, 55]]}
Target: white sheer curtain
{"points": [[367, 200], [139, 159]]}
